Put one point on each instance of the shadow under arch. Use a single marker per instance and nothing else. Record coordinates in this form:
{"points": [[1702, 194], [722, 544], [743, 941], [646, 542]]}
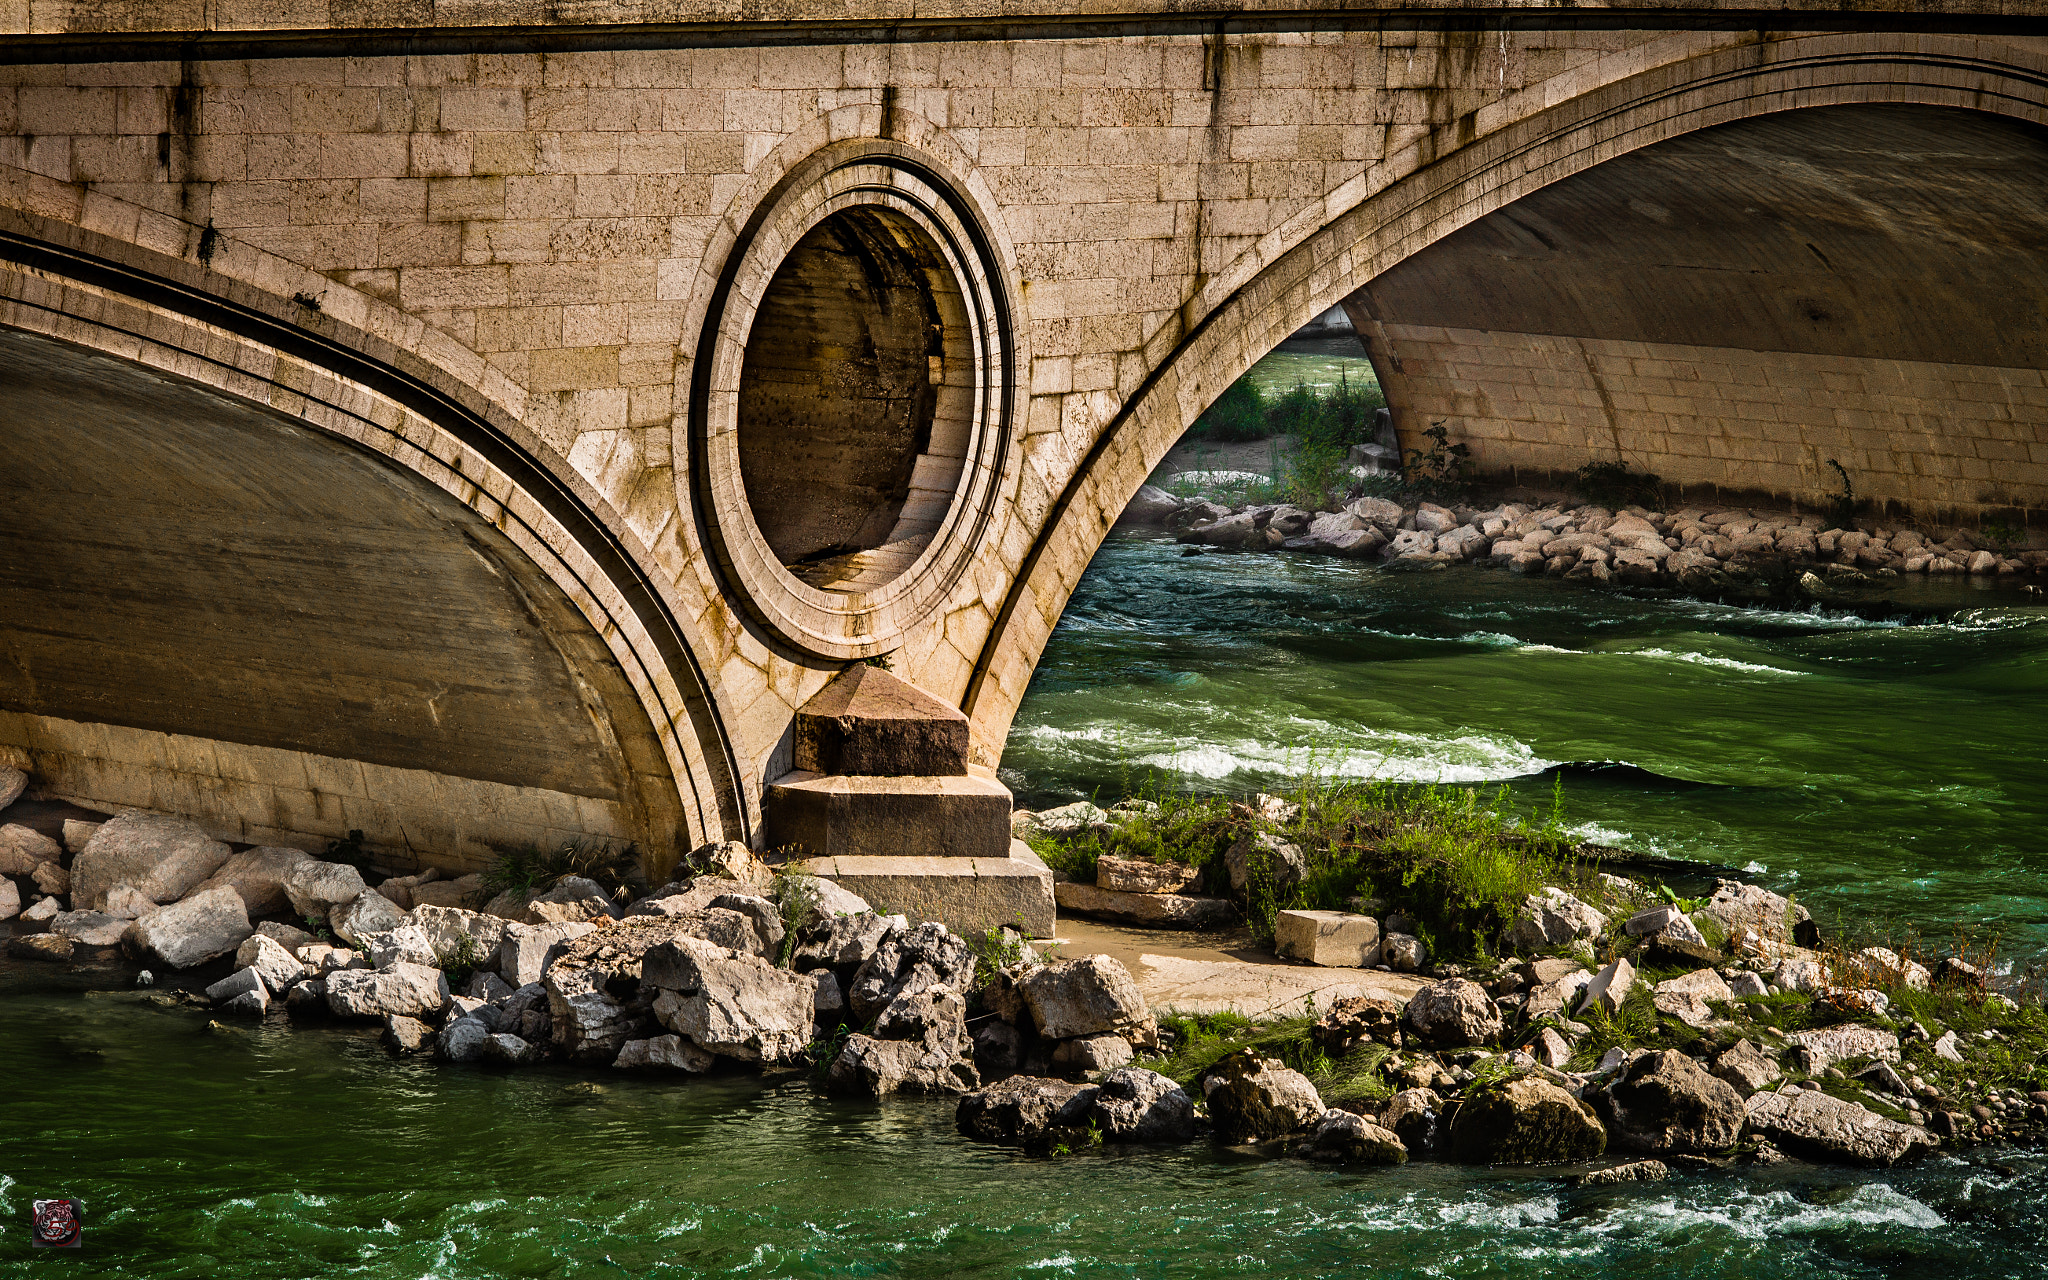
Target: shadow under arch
{"points": [[248, 357]]}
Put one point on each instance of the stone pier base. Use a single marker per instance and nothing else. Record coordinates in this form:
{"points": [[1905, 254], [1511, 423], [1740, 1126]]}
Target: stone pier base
{"points": [[967, 895]]}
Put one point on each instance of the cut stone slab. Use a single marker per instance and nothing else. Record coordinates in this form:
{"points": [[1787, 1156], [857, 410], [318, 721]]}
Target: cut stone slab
{"points": [[1333, 939], [1132, 875], [866, 721], [840, 815], [1155, 910], [967, 895]]}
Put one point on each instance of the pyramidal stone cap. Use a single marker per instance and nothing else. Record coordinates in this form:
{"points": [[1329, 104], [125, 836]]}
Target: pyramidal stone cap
{"points": [[868, 722]]}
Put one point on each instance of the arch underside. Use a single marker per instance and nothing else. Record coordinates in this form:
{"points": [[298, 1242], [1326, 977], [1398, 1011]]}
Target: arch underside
{"points": [[219, 611], [1740, 309], [1525, 143]]}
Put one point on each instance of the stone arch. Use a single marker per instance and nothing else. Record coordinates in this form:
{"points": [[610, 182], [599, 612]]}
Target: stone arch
{"points": [[453, 434], [1525, 142]]}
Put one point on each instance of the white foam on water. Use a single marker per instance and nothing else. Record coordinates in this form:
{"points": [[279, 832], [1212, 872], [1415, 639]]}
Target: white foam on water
{"points": [[1386, 757], [1754, 868], [1760, 1215], [1709, 660], [1064, 1262], [1423, 1210]]}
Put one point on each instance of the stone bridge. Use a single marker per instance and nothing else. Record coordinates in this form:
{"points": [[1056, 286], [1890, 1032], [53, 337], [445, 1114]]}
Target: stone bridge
{"points": [[480, 424]]}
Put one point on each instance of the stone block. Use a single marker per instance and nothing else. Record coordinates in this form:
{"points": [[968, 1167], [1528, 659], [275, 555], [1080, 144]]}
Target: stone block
{"points": [[1155, 910], [867, 721], [967, 895], [1335, 939], [837, 816], [1130, 875]]}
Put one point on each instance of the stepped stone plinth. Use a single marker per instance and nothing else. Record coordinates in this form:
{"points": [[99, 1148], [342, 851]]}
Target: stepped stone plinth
{"points": [[884, 802]]}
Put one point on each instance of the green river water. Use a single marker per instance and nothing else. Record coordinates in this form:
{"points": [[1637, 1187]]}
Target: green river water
{"points": [[1885, 765]]}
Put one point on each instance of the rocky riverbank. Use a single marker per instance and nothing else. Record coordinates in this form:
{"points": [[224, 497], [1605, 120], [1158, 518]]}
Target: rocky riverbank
{"points": [[1634, 1028], [1695, 548]]}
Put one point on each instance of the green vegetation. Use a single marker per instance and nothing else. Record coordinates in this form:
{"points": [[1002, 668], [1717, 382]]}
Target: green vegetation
{"points": [[536, 870], [1199, 1042], [1456, 860], [1438, 473], [1323, 424]]}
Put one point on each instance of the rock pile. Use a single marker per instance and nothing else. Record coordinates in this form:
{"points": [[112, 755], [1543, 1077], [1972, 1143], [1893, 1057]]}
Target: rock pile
{"points": [[1696, 547]]}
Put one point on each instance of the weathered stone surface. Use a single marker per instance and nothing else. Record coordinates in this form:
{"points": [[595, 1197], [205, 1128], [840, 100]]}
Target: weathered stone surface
{"points": [[944, 955], [523, 953], [1090, 1054], [163, 858], [363, 915], [1267, 855], [1665, 921], [41, 946], [290, 937], [1454, 1013], [1412, 1115], [12, 783], [1665, 1104], [1747, 1068], [266, 957], [573, 898], [1070, 998], [463, 891], [406, 942], [23, 849], [307, 997], [77, 834], [412, 990], [1253, 1099], [1633, 1171], [10, 899], [1826, 1046], [313, 888], [1136, 1105], [594, 983], [90, 928], [1335, 939], [1524, 1121], [1609, 987], [321, 959], [868, 721], [1403, 952], [872, 1068], [513, 1051], [854, 816], [1354, 1021], [1152, 910], [766, 916], [43, 909], [843, 943], [240, 982], [1795, 974], [1550, 1048], [1132, 875], [1814, 1124], [462, 1040], [453, 932], [1068, 820], [1029, 1111], [1740, 908], [259, 875], [733, 1005], [1353, 1139], [200, 928], [1553, 918], [967, 895], [407, 1035], [50, 877], [669, 1053]]}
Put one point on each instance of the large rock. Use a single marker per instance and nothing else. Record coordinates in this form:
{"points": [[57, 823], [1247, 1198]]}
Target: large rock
{"points": [[1412, 1115], [41, 946], [1028, 1111], [843, 943], [1745, 908], [873, 1068], [1137, 875], [406, 942], [367, 913], [1136, 1105], [23, 849], [1665, 1104], [90, 928], [1524, 1121], [670, 1052], [812, 900], [1826, 1046], [1609, 987], [594, 985], [1810, 1123], [259, 875], [1553, 918], [1149, 910], [1355, 1021], [463, 1039], [1335, 939], [313, 888], [13, 782], [1454, 1013], [407, 990], [1747, 1068], [523, 953], [1253, 1099], [454, 933], [1278, 864], [267, 958], [203, 927], [1353, 1139], [1086, 997], [10, 899], [733, 1005], [242, 993], [163, 858], [573, 898], [882, 977]]}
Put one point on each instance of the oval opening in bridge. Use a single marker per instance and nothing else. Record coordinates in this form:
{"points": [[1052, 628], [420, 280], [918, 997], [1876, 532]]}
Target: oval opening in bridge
{"points": [[856, 399]]}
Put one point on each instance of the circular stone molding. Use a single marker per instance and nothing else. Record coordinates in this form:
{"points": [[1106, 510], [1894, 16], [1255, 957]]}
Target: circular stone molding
{"points": [[853, 400]]}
